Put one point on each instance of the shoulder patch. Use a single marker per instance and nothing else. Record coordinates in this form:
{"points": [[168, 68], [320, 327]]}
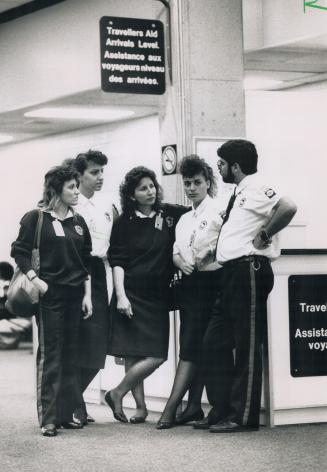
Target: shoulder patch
{"points": [[269, 192], [79, 230]]}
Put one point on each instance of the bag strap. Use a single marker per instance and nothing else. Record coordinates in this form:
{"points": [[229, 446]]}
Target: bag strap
{"points": [[37, 236]]}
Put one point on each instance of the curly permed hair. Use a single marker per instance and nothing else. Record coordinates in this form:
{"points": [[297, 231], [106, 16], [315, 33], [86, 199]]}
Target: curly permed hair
{"points": [[129, 184]]}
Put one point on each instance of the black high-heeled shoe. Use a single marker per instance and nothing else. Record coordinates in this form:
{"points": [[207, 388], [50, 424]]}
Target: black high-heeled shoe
{"points": [[118, 415], [185, 417], [74, 424], [164, 424], [137, 419]]}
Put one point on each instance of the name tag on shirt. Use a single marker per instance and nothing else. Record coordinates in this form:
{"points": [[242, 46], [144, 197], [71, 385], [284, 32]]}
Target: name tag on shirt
{"points": [[57, 226], [158, 222]]}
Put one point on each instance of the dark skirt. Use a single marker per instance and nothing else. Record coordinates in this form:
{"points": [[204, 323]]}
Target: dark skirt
{"points": [[94, 331], [198, 293], [146, 334]]}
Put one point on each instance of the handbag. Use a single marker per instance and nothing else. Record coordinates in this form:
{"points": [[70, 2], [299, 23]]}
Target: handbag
{"points": [[22, 295]]}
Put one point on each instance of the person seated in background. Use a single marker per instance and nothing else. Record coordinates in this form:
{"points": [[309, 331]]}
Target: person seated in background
{"points": [[12, 329]]}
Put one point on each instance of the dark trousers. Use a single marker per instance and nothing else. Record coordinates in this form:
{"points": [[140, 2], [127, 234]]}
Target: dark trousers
{"points": [[232, 347], [58, 324], [94, 334]]}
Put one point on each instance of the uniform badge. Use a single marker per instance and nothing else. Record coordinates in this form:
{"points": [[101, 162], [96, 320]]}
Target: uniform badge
{"points": [[242, 201], [203, 224], [79, 230], [169, 221], [270, 193], [107, 216], [158, 222]]}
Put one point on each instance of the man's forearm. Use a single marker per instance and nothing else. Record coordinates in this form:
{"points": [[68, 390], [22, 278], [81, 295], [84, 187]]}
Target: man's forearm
{"points": [[283, 215]]}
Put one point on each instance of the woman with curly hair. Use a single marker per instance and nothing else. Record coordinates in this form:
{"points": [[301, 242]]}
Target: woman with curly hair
{"points": [[65, 292], [141, 257]]}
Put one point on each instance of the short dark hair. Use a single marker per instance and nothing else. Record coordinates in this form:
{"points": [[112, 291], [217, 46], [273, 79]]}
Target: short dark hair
{"points": [[129, 184], [54, 181], [82, 160], [192, 165], [6, 271], [241, 151]]}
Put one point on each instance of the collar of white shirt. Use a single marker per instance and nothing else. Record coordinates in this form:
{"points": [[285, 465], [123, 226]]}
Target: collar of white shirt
{"points": [[142, 215], [200, 209], [248, 180], [70, 214], [83, 201]]}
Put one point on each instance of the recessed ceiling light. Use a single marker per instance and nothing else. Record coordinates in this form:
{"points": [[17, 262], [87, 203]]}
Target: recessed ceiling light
{"points": [[260, 83], [80, 113], [5, 138]]}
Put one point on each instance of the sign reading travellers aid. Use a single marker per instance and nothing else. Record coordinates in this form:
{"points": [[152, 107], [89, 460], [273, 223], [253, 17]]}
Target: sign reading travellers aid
{"points": [[132, 55], [308, 324]]}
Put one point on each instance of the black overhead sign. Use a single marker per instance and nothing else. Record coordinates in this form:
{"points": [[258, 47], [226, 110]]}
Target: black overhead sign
{"points": [[132, 55], [308, 324]]}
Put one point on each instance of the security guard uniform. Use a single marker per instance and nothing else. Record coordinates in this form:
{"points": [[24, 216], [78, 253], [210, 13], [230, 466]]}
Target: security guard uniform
{"points": [[97, 211], [235, 334]]}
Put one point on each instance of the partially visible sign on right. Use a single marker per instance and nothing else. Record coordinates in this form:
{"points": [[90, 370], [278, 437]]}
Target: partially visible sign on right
{"points": [[308, 324]]}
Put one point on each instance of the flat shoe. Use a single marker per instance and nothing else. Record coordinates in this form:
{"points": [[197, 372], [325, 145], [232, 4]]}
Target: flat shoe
{"points": [[231, 427], [187, 418], [118, 415], [49, 430], [90, 419], [164, 424], [78, 419]]}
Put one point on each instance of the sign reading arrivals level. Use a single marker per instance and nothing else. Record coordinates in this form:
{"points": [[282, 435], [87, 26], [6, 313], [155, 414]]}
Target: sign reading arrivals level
{"points": [[308, 324], [132, 55]]}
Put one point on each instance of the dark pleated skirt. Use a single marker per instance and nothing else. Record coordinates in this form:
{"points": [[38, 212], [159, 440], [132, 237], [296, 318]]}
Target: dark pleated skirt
{"points": [[198, 293], [146, 334]]}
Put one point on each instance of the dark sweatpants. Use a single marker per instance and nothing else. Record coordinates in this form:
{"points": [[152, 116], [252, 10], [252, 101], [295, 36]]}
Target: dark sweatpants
{"points": [[58, 324], [232, 346]]}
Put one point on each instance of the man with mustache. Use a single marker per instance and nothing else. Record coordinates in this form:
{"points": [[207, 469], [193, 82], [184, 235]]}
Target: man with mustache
{"points": [[247, 243]]}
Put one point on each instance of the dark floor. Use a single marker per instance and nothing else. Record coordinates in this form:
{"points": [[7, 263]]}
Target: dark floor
{"points": [[115, 447]]}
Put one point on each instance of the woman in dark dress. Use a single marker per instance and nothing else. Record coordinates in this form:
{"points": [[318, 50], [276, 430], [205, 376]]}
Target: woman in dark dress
{"points": [[141, 257]]}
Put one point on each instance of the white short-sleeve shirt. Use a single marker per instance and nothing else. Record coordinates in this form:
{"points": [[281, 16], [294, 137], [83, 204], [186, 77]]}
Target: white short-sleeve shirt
{"points": [[251, 211], [197, 232], [97, 211]]}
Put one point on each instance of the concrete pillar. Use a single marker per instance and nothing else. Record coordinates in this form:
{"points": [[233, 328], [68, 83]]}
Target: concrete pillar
{"points": [[206, 96]]}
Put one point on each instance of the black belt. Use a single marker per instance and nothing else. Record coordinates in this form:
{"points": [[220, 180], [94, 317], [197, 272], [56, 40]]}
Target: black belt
{"points": [[253, 258]]}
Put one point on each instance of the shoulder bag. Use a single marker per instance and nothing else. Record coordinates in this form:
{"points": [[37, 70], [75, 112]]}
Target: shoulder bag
{"points": [[23, 296]]}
